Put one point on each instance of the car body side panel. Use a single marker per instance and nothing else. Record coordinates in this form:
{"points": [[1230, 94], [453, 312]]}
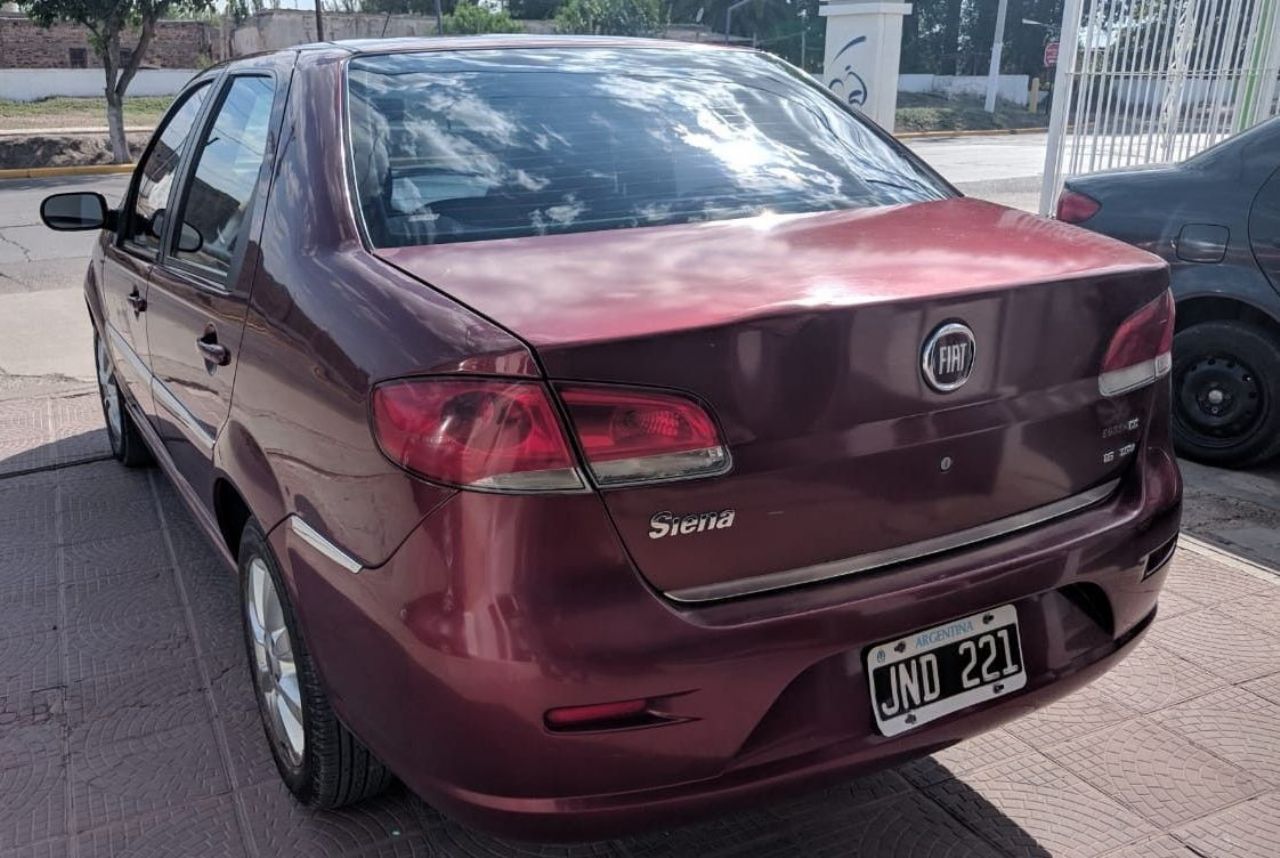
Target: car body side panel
{"points": [[1149, 207], [307, 360], [192, 395], [124, 327], [1241, 282], [1264, 228]]}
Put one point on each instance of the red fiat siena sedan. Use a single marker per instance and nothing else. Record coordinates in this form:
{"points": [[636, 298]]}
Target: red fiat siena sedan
{"points": [[610, 432]]}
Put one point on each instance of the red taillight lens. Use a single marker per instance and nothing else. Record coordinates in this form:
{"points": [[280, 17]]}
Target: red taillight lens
{"points": [[1140, 351], [1075, 207], [480, 433], [640, 436]]}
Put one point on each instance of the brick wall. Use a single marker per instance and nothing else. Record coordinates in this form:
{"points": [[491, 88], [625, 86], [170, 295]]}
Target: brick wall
{"points": [[24, 44]]}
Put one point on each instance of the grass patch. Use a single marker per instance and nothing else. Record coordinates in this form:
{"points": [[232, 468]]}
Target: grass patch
{"points": [[142, 110], [926, 111]]}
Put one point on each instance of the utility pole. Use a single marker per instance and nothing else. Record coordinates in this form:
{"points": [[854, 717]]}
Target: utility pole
{"points": [[319, 21], [439, 19], [997, 50], [804, 36]]}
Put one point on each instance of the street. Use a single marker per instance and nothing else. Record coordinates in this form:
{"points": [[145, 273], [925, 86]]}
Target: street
{"points": [[128, 727]]}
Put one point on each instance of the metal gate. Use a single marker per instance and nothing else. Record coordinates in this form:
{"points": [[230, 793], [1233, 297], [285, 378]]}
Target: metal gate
{"points": [[1156, 81]]}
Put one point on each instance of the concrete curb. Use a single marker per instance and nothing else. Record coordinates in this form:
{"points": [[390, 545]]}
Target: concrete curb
{"points": [[1228, 558], [981, 132], [55, 172]]}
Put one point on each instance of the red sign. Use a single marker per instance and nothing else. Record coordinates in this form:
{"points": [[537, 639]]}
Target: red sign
{"points": [[1051, 54]]}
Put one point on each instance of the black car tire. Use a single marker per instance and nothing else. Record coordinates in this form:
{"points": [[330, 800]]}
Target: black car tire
{"points": [[127, 444], [1247, 360], [333, 769]]}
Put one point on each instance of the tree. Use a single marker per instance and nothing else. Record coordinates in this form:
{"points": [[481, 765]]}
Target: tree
{"points": [[107, 21], [954, 36], [539, 9], [469, 19], [612, 17]]}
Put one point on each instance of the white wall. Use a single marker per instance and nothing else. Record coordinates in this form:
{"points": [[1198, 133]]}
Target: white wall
{"points": [[1012, 87], [32, 84]]}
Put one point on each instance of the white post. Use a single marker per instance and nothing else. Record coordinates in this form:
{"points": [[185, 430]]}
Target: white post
{"points": [[997, 50], [1062, 95], [864, 47]]}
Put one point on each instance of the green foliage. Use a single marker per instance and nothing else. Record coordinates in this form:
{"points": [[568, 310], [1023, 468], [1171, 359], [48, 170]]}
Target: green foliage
{"points": [[612, 17], [954, 36], [107, 17], [426, 8], [533, 9], [470, 19]]}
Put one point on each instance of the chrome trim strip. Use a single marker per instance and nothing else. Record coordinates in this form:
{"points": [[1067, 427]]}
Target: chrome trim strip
{"points": [[161, 392], [892, 556], [174, 406], [122, 345], [312, 537]]}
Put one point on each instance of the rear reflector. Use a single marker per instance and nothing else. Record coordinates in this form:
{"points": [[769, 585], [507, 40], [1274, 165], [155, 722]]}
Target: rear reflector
{"points": [[1140, 351], [479, 433], [1075, 207], [632, 436], [598, 716]]}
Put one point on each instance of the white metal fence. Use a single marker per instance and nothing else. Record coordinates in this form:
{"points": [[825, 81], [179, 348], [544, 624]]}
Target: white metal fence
{"points": [[1156, 81]]}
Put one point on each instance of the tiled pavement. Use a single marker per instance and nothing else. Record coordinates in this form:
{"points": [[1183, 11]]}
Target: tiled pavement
{"points": [[127, 726]]}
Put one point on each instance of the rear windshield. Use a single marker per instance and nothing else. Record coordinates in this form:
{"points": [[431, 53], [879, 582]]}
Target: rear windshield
{"points": [[470, 145]]}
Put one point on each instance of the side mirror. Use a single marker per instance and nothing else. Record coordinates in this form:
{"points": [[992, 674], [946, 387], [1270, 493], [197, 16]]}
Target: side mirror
{"points": [[189, 239], [76, 212]]}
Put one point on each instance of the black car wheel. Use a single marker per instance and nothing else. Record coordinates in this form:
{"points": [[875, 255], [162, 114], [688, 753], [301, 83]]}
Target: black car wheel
{"points": [[1226, 394], [126, 441], [321, 762]]}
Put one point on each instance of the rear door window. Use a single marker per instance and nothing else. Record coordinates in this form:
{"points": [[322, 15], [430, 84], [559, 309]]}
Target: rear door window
{"points": [[495, 144], [213, 213]]}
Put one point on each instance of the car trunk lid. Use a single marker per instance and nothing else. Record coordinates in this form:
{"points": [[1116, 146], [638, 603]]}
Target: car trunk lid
{"points": [[804, 336]]}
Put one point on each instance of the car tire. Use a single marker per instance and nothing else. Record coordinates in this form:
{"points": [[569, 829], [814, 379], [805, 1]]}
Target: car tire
{"points": [[319, 759], [1226, 394], [127, 444]]}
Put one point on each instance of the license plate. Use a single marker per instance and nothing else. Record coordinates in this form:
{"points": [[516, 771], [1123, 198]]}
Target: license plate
{"points": [[928, 674]]}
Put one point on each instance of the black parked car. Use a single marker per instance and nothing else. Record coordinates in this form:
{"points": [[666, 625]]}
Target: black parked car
{"points": [[1216, 219]]}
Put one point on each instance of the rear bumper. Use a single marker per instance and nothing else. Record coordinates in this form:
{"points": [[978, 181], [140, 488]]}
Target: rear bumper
{"points": [[497, 609]]}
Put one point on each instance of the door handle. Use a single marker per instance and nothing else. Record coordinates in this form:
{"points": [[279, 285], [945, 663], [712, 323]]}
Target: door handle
{"points": [[212, 351], [136, 301]]}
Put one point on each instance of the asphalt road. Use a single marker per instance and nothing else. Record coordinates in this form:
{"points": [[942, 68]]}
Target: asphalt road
{"points": [[45, 335]]}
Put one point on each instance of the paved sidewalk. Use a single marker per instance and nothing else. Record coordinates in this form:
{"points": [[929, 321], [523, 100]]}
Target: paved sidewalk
{"points": [[127, 726]]}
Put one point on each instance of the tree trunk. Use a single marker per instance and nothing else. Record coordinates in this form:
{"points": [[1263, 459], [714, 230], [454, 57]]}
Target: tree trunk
{"points": [[115, 104], [118, 85], [115, 127]]}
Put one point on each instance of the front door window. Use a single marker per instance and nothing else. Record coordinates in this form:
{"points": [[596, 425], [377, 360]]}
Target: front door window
{"points": [[159, 171]]}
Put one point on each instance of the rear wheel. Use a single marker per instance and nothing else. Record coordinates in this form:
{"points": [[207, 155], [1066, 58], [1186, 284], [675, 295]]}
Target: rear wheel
{"points": [[126, 441], [1226, 394], [321, 762]]}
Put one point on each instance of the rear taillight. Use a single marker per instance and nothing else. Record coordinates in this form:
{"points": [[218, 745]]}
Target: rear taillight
{"points": [[1140, 351], [479, 433], [640, 436], [1075, 207]]}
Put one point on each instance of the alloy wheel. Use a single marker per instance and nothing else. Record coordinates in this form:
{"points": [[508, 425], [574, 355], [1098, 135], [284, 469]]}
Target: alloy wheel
{"points": [[279, 693]]}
